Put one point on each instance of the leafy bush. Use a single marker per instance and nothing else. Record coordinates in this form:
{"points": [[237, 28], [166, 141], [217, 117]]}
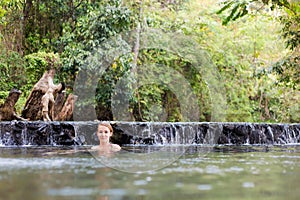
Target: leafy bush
{"points": [[11, 70], [35, 66]]}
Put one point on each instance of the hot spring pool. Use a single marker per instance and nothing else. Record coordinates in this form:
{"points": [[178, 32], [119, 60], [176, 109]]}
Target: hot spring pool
{"points": [[222, 172]]}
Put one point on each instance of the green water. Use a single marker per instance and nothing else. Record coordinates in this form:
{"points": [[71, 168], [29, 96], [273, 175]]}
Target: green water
{"points": [[224, 172]]}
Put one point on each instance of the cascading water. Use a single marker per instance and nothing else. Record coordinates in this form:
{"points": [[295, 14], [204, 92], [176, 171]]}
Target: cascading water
{"points": [[78, 133]]}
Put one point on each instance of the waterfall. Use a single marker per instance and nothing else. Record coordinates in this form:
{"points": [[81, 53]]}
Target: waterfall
{"points": [[148, 133]]}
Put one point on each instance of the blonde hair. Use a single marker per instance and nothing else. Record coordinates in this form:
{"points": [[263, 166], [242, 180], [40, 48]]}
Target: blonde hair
{"points": [[106, 124]]}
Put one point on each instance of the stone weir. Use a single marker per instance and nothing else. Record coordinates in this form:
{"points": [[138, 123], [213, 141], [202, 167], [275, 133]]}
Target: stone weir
{"points": [[83, 133]]}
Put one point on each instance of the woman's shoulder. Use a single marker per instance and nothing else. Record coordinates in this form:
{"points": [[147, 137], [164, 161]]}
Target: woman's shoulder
{"points": [[111, 147], [115, 147], [95, 147]]}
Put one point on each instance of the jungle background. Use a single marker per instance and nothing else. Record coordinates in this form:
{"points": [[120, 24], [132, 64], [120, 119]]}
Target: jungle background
{"points": [[255, 45]]}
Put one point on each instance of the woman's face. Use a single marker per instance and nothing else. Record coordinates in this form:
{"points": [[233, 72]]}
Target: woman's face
{"points": [[103, 133]]}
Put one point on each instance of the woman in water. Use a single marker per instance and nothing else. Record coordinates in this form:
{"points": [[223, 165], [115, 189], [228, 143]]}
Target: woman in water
{"points": [[104, 132]]}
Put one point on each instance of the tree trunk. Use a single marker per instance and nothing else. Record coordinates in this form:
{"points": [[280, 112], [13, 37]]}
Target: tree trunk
{"points": [[40, 104], [34, 106], [7, 110], [26, 16], [58, 105], [66, 113]]}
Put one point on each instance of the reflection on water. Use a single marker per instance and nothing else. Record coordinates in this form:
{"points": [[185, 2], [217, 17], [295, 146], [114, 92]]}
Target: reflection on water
{"points": [[142, 159], [221, 172]]}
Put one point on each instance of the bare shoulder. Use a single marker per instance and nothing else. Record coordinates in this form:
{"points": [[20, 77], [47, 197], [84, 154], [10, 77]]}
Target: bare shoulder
{"points": [[115, 147], [95, 147], [112, 147]]}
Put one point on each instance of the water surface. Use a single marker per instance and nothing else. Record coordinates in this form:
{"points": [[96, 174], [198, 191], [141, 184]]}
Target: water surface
{"points": [[221, 172]]}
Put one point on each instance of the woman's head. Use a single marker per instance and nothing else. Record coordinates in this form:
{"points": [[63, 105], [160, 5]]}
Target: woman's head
{"points": [[104, 132], [107, 125]]}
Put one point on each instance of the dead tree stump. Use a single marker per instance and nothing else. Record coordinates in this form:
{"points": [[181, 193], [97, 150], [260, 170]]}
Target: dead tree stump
{"points": [[7, 110], [34, 106], [58, 105], [66, 113]]}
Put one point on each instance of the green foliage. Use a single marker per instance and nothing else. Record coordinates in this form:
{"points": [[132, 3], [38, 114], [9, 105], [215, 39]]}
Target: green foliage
{"points": [[290, 20], [260, 73], [35, 66], [12, 76], [120, 68], [2, 10], [158, 102], [291, 30], [239, 9], [3, 95], [92, 29], [44, 20], [277, 81], [11, 26], [288, 71], [153, 101], [11, 70]]}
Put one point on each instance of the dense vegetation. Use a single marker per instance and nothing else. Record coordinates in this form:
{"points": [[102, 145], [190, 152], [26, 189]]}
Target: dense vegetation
{"points": [[248, 50]]}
